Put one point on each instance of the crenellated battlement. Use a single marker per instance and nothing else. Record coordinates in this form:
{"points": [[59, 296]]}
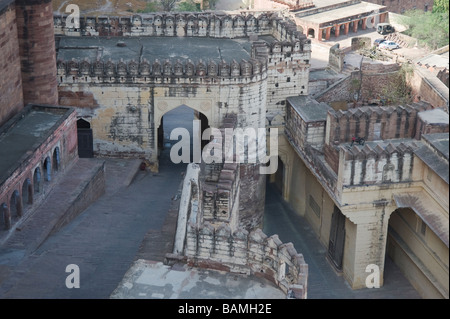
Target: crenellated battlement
{"points": [[374, 122], [204, 24], [378, 163], [132, 71]]}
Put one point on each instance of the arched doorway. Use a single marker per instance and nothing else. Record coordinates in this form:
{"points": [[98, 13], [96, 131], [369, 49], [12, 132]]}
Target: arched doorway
{"points": [[15, 204], [419, 250], [190, 124], [311, 33], [47, 165], [5, 216], [56, 159], [85, 139], [37, 180], [27, 193]]}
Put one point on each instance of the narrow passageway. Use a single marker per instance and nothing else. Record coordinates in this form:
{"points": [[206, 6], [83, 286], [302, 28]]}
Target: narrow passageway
{"points": [[323, 281]]}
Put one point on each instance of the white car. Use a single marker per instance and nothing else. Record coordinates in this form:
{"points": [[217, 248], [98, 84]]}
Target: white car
{"points": [[388, 45]]}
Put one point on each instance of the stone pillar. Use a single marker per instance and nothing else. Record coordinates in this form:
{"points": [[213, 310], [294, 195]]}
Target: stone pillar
{"points": [[364, 20], [327, 34], [346, 26], [11, 95], [383, 17], [251, 197], [37, 51], [355, 26], [337, 30], [368, 244]]}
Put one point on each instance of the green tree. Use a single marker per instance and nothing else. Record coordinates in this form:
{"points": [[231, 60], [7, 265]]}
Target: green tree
{"points": [[150, 6], [429, 28], [188, 5], [440, 6], [399, 91]]}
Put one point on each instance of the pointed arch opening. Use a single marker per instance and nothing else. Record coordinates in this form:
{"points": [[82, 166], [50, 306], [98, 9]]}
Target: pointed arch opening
{"points": [[189, 123]]}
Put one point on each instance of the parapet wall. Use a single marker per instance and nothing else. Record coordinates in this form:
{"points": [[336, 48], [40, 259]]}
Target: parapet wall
{"points": [[101, 71], [378, 164], [249, 253], [205, 24], [374, 122]]}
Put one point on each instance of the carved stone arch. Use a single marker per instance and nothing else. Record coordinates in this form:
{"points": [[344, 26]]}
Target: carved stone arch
{"points": [[178, 68], [110, 68], [238, 21], [133, 67], [201, 69], [190, 69], [212, 68], [276, 47], [170, 21], [156, 68], [98, 67], [203, 22], [158, 20], [167, 68], [122, 68], [144, 68], [137, 20], [180, 20], [164, 105]]}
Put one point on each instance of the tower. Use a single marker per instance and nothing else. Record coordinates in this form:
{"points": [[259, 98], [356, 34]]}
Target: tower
{"points": [[37, 51]]}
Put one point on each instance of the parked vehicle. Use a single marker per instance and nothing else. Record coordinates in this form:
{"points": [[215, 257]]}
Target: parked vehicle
{"points": [[377, 42], [385, 28], [389, 45]]}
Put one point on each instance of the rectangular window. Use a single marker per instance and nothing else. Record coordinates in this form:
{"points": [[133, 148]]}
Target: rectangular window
{"points": [[314, 206], [421, 227]]}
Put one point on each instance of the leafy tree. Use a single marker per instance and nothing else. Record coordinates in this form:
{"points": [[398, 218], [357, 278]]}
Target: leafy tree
{"points": [[399, 91], [441, 6], [429, 28], [149, 7], [168, 5], [188, 5]]}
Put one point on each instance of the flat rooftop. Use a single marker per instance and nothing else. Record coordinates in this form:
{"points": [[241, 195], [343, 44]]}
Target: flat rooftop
{"points": [[21, 135], [309, 109], [437, 159], [151, 48], [333, 14]]}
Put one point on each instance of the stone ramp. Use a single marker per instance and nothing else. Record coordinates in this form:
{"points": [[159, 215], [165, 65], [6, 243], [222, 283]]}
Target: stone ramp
{"points": [[71, 194]]}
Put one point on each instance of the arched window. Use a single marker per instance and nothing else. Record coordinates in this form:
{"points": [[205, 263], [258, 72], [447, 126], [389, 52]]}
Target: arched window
{"points": [[27, 192], [47, 169], [15, 204], [37, 179], [56, 159], [5, 216]]}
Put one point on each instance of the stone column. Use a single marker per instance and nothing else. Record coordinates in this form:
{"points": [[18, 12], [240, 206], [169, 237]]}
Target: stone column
{"points": [[37, 51], [367, 243], [346, 26], [364, 20], [327, 34], [337, 30], [355, 26]]}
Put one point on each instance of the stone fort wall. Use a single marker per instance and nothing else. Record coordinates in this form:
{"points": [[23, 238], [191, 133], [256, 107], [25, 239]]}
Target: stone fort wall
{"points": [[215, 241], [125, 101]]}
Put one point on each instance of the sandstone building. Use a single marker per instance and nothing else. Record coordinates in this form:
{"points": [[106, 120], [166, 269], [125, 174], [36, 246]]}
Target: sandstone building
{"points": [[115, 78]]}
